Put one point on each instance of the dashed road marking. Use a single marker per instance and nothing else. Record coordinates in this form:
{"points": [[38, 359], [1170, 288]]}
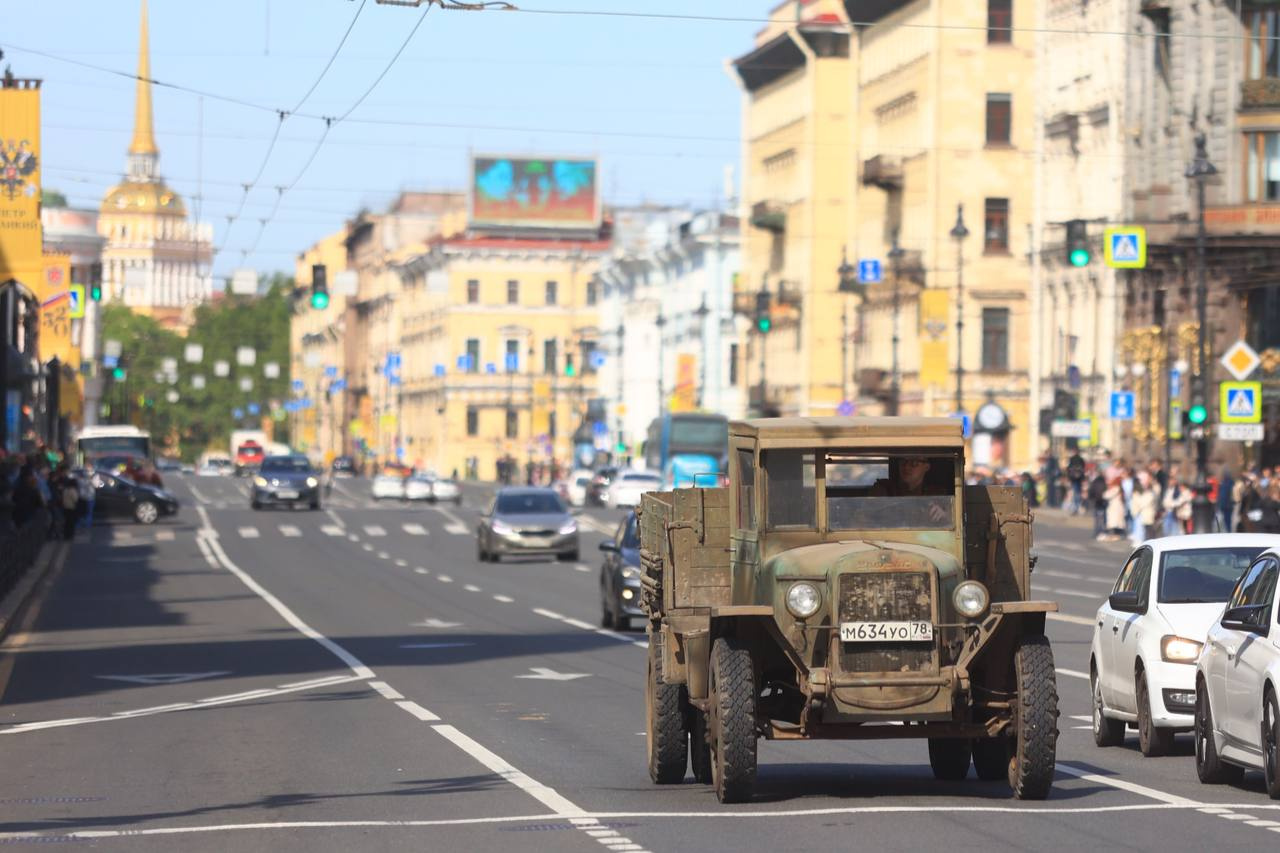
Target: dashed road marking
{"points": [[367, 546], [418, 711], [1075, 593], [352, 537], [581, 567], [456, 529], [402, 563], [164, 536], [505, 599], [1074, 673], [444, 579], [414, 529], [387, 691], [290, 531], [374, 530], [421, 571], [383, 555], [332, 530], [248, 532], [471, 588], [1067, 617]]}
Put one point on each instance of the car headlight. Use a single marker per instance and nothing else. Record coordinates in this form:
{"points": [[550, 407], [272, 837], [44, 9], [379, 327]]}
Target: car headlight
{"points": [[1175, 649], [629, 572], [569, 527], [500, 528], [803, 599], [971, 599], [260, 482], [312, 482]]}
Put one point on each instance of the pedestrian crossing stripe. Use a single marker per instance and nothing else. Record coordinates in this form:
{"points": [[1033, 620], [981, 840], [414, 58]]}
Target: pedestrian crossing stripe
{"points": [[375, 530], [415, 530], [332, 530], [1240, 402]]}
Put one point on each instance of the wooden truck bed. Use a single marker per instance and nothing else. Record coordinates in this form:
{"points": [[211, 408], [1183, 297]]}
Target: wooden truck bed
{"points": [[684, 548]]}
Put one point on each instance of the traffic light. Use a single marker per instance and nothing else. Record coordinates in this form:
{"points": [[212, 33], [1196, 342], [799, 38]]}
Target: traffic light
{"points": [[763, 321], [1197, 414], [95, 291], [319, 287], [118, 374], [1078, 243], [569, 369], [1065, 405]]}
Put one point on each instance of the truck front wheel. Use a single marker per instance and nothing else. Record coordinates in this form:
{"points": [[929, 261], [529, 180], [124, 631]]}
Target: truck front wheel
{"points": [[733, 722], [1035, 720], [664, 725]]}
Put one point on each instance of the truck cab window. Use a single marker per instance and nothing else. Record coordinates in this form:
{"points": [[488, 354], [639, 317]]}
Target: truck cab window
{"points": [[791, 489]]}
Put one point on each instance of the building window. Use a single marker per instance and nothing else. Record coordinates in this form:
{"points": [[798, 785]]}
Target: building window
{"points": [[549, 359], [473, 421], [473, 355], [588, 357], [1157, 308], [473, 291], [999, 21], [999, 118], [1262, 51], [513, 423], [551, 424], [996, 228], [511, 361], [733, 364], [592, 296], [1164, 37], [551, 292], [1262, 173], [513, 292], [995, 338]]}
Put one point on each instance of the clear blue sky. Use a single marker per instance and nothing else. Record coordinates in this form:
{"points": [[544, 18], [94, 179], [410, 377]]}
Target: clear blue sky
{"points": [[494, 81]]}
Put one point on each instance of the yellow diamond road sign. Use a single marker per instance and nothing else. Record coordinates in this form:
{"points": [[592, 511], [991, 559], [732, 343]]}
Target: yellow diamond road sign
{"points": [[1240, 360]]}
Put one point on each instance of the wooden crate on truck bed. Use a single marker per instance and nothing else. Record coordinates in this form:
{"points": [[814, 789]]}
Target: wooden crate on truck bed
{"points": [[684, 541]]}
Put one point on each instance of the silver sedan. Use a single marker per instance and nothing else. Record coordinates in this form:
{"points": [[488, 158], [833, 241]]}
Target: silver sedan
{"points": [[527, 520]]}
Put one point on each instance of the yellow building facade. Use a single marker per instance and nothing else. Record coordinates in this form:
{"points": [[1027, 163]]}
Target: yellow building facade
{"points": [[861, 143]]}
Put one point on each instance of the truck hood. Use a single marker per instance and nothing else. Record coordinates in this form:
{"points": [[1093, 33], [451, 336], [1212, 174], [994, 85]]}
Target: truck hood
{"points": [[817, 560]]}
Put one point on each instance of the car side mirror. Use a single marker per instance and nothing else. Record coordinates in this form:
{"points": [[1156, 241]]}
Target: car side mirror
{"points": [[609, 547], [1125, 602], [1249, 617]]}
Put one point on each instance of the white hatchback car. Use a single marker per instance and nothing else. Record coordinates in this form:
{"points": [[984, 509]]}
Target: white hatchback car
{"points": [[578, 482], [388, 486], [1151, 628], [628, 486], [1237, 721]]}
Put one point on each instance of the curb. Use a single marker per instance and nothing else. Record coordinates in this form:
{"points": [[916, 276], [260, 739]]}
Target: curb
{"points": [[52, 555]]}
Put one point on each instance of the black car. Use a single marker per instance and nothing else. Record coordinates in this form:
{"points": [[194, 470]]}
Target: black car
{"points": [[344, 466], [287, 480], [620, 577], [119, 497]]}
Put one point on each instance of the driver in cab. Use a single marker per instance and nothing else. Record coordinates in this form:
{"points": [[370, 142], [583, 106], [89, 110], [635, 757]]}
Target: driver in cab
{"points": [[907, 475]]}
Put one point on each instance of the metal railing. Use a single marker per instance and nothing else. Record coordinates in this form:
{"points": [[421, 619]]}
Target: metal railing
{"points": [[19, 548]]}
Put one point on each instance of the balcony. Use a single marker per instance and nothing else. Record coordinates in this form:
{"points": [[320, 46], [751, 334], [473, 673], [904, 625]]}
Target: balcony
{"points": [[883, 172], [1261, 94], [770, 216]]}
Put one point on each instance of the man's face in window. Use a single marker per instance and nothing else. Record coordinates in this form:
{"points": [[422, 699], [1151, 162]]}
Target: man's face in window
{"points": [[913, 469]]}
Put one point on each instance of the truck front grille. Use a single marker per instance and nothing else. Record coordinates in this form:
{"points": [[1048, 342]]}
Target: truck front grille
{"points": [[886, 597]]}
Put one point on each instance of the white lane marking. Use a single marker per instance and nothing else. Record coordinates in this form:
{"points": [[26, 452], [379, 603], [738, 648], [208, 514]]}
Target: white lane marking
{"points": [[332, 530], [582, 567], [248, 532], [418, 711], [541, 673], [435, 624], [1067, 617], [471, 588], [444, 579], [1237, 816], [164, 536], [578, 623], [367, 546], [1125, 785], [199, 495], [547, 796], [335, 518], [598, 527], [383, 555], [374, 530], [457, 529], [1074, 673], [206, 524], [165, 677], [1266, 824], [1084, 718], [290, 531], [285, 613], [505, 599], [402, 563], [158, 709], [387, 691], [317, 682], [415, 529], [237, 697], [352, 537], [421, 571]]}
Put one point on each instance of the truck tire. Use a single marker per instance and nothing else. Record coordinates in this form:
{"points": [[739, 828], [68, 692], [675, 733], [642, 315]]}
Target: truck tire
{"points": [[1152, 740], [1035, 720], [1210, 768], [949, 758], [991, 758], [699, 747], [733, 722], [664, 726]]}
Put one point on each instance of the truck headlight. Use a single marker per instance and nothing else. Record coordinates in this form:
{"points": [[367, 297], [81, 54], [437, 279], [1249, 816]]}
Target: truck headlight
{"points": [[971, 599], [803, 599], [1175, 649], [260, 482]]}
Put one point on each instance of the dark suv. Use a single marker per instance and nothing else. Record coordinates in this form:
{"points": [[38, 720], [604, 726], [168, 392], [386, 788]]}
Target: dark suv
{"points": [[288, 480]]}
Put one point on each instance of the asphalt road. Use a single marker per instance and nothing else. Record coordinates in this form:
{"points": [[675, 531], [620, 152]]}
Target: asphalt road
{"points": [[355, 679]]}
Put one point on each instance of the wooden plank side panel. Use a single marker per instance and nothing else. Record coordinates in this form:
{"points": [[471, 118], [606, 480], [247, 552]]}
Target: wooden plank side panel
{"points": [[1009, 581]]}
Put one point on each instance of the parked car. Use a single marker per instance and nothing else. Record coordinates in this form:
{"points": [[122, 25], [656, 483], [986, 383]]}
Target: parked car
{"points": [[418, 487], [620, 577], [526, 520], [627, 487], [579, 482], [446, 489], [344, 466], [388, 487], [1237, 719], [1150, 631], [169, 464], [287, 480], [115, 495]]}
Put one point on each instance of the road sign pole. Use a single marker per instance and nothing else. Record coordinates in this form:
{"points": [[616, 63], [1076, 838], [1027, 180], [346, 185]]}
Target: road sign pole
{"points": [[1199, 170]]}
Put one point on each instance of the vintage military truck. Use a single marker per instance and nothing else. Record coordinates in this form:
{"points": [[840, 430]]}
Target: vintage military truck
{"points": [[846, 584]]}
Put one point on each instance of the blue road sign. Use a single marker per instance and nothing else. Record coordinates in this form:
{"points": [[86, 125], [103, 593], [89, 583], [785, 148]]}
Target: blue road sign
{"points": [[597, 359], [337, 385], [845, 409], [600, 428], [111, 362], [1121, 405], [237, 413], [298, 385], [490, 367], [254, 409], [439, 370], [330, 372], [1175, 383], [869, 271], [966, 423], [512, 363]]}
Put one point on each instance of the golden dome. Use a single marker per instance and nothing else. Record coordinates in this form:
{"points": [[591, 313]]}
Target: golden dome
{"points": [[139, 197]]}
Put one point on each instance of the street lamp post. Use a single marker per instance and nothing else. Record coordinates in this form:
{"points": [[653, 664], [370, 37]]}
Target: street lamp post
{"points": [[701, 313], [895, 377], [622, 338], [847, 283], [1201, 170], [959, 233], [661, 322]]}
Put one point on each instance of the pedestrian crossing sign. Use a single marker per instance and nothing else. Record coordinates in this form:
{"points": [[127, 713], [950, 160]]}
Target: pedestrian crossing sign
{"points": [[77, 302], [1125, 247], [1240, 403]]}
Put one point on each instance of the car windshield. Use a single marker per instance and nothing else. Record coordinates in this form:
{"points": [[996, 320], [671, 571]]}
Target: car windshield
{"points": [[285, 465], [1202, 575], [529, 503], [641, 478]]}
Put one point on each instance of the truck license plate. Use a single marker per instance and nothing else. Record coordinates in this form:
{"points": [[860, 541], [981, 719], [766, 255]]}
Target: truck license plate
{"points": [[879, 632]]}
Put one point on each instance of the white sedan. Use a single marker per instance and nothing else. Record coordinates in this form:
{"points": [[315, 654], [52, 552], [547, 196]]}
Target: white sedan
{"points": [[388, 487], [418, 487], [1237, 719], [578, 482], [445, 490], [628, 486], [1151, 628]]}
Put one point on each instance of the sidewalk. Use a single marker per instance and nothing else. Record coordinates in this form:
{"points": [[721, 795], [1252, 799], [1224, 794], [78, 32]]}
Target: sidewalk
{"points": [[52, 555]]}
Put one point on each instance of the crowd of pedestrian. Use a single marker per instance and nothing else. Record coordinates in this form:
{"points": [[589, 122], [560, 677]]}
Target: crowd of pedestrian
{"points": [[41, 485]]}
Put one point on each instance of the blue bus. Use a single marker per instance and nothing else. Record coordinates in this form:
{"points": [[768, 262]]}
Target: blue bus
{"points": [[682, 446]]}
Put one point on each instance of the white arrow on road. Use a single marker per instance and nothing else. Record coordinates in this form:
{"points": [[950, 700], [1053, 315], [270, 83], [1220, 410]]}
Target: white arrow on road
{"points": [[436, 623], [164, 677], [544, 674]]}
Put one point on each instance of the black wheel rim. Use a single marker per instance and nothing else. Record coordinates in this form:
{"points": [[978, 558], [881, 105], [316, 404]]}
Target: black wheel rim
{"points": [[1097, 706], [1202, 728], [1269, 740]]}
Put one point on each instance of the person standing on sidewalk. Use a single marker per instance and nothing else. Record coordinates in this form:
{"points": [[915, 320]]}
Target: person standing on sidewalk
{"points": [[1143, 508], [1075, 475], [1177, 507], [1098, 503]]}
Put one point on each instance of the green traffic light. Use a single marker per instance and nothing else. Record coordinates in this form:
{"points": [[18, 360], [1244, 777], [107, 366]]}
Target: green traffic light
{"points": [[319, 300], [1079, 257], [95, 292], [764, 324], [1197, 414], [118, 373]]}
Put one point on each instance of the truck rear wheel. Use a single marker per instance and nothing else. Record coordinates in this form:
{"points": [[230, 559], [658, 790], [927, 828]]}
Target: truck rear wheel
{"points": [[699, 747], [664, 725], [733, 722], [991, 758], [949, 758], [1035, 720]]}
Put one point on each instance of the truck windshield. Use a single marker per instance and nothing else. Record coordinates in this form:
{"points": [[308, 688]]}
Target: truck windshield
{"points": [[901, 491]]}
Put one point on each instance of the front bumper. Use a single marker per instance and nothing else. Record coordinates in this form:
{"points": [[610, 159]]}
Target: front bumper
{"points": [[630, 606], [517, 543], [272, 495], [1166, 684]]}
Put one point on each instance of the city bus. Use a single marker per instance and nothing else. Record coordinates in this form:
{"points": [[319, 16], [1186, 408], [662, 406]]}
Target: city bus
{"points": [[682, 446], [116, 441]]}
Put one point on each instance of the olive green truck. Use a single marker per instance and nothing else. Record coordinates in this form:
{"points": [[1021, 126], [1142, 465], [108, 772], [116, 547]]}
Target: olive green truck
{"points": [[846, 584]]}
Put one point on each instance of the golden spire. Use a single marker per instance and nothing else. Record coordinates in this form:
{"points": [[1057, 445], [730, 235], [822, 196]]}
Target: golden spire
{"points": [[144, 140]]}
